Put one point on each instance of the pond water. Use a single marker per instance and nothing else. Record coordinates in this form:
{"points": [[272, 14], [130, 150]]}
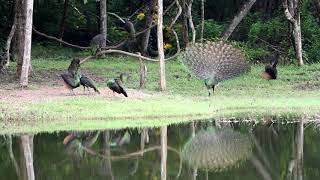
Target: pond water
{"points": [[198, 150]]}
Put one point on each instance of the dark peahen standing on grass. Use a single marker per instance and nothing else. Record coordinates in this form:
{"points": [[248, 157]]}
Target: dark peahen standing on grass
{"points": [[270, 71], [214, 62], [116, 85], [71, 79], [87, 82]]}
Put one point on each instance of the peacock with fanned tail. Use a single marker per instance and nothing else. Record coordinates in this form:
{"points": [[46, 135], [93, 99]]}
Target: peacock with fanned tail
{"points": [[214, 62]]}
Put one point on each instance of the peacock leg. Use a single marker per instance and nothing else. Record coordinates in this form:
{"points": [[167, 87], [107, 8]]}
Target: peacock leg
{"points": [[212, 90], [113, 93]]}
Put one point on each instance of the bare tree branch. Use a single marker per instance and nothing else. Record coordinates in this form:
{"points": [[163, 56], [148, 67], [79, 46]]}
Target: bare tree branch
{"points": [[287, 13], [59, 40], [177, 15], [236, 20], [191, 22]]}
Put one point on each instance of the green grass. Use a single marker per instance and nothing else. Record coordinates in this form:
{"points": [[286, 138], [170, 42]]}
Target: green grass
{"points": [[295, 93]]}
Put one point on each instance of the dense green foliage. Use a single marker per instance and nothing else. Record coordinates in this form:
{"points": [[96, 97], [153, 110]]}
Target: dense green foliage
{"points": [[263, 27]]}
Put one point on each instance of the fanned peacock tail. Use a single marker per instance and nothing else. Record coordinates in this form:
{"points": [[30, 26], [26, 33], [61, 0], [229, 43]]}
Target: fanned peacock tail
{"points": [[217, 60]]}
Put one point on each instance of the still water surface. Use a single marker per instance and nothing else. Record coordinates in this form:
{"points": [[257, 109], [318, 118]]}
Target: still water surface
{"points": [[199, 150]]}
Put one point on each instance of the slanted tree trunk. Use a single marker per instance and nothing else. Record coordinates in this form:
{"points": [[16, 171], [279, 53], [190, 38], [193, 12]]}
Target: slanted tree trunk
{"points": [[12, 157], [27, 146], [63, 19], [202, 20], [148, 23], [5, 63], [160, 46], [185, 35], [237, 19], [103, 21], [164, 151], [191, 25], [292, 13], [27, 33]]}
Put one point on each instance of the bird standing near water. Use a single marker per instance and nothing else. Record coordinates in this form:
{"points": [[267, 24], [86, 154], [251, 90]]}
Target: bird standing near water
{"points": [[270, 71], [214, 62], [87, 82], [71, 79], [116, 85]]}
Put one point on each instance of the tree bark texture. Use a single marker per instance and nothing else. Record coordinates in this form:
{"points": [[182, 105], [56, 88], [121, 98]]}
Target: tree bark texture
{"points": [[237, 19], [27, 143], [148, 23], [27, 38], [292, 13], [160, 46], [202, 20], [164, 151], [191, 25], [185, 35], [63, 19], [103, 20]]}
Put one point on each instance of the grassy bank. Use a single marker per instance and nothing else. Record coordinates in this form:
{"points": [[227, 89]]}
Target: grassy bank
{"points": [[295, 93]]}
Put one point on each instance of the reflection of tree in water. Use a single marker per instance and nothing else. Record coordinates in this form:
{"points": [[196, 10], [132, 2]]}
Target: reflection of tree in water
{"points": [[217, 149]]}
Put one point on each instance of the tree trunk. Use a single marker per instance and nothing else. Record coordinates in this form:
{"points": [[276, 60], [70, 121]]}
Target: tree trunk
{"points": [[202, 20], [193, 31], [185, 35], [107, 153], [63, 19], [5, 63], [237, 19], [27, 145], [27, 38], [164, 151], [19, 35], [160, 46], [103, 20], [12, 157], [299, 143], [292, 13], [145, 39]]}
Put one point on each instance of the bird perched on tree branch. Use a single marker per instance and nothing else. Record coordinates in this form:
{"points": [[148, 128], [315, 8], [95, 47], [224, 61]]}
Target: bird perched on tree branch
{"points": [[116, 85], [214, 62], [270, 71]]}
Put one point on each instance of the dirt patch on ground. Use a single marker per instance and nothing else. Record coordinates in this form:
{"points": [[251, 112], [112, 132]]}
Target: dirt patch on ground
{"points": [[49, 93]]}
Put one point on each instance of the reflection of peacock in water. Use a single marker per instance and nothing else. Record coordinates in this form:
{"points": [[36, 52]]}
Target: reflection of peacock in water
{"points": [[217, 149], [116, 85], [214, 62], [87, 82], [71, 79]]}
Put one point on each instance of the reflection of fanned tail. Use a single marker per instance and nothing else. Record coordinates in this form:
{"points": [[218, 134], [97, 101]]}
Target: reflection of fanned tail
{"points": [[217, 149]]}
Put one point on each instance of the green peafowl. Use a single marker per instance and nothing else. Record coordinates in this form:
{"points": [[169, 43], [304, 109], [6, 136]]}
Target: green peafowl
{"points": [[214, 62], [270, 71], [87, 82], [71, 79], [116, 85]]}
